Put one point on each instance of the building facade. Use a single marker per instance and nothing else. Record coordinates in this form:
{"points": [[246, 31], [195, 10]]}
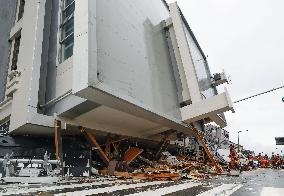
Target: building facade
{"points": [[120, 66], [217, 137], [7, 20]]}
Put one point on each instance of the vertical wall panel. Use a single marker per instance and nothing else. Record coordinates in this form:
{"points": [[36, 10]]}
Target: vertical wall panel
{"points": [[7, 18], [133, 55], [203, 74]]}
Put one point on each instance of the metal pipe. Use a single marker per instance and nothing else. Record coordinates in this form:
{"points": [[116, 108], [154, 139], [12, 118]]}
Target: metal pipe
{"points": [[57, 99], [32, 161], [239, 140]]}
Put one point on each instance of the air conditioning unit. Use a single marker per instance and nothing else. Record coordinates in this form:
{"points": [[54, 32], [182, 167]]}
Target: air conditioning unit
{"points": [[219, 78]]}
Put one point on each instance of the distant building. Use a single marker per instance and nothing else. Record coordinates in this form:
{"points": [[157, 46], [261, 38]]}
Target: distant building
{"points": [[279, 140], [4, 128], [247, 152], [236, 146], [242, 149], [217, 136]]}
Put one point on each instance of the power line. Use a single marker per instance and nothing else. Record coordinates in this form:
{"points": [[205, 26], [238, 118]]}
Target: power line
{"points": [[274, 89]]}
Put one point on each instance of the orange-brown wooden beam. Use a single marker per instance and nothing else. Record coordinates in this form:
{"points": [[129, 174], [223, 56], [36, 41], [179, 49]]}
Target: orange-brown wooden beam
{"points": [[131, 154], [200, 137], [58, 143], [95, 144]]}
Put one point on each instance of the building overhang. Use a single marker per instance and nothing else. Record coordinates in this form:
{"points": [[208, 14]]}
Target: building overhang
{"points": [[208, 108]]}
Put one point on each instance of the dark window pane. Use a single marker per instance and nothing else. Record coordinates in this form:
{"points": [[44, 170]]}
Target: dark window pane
{"points": [[68, 2], [4, 129], [68, 12], [68, 28], [21, 9], [68, 47], [16, 53]]}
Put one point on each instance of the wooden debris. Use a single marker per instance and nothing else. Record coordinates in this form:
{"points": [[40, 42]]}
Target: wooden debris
{"points": [[131, 154]]}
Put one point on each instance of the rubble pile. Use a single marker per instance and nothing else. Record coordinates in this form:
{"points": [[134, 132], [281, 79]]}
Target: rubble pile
{"points": [[168, 167]]}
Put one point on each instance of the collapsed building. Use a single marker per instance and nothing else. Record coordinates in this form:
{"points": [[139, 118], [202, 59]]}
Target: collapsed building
{"points": [[115, 70]]}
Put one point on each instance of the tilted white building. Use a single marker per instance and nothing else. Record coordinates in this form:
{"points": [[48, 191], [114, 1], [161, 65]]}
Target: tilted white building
{"points": [[128, 67]]}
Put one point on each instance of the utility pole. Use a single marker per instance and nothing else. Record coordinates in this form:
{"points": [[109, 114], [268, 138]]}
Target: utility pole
{"points": [[239, 140]]}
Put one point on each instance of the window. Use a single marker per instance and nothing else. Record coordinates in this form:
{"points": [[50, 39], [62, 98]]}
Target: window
{"points": [[17, 42], [67, 29], [21, 9], [4, 129]]}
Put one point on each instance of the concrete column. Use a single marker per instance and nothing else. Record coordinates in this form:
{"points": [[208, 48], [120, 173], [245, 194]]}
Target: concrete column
{"points": [[25, 99]]}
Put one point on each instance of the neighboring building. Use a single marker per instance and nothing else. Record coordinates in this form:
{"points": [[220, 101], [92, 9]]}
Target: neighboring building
{"points": [[248, 152], [217, 137], [279, 140], [4, 128], [236, 146], [126, 67], [241, 148]]}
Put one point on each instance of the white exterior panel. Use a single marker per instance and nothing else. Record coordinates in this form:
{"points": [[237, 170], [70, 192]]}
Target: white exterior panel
{"points": [[121, 78]]}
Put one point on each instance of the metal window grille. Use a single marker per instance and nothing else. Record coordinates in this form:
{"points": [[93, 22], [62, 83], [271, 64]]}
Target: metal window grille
{"points": [[4, 129], [67, 29], [17, 43], [21, 9]]}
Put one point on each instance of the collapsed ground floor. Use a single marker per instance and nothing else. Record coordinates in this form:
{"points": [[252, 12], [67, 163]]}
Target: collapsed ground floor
{"points": [[259, 182]]}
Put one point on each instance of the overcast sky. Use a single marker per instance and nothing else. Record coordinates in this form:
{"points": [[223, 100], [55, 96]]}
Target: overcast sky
{"points": [[246, 38]]}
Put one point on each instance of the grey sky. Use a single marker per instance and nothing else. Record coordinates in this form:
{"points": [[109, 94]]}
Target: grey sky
{"points": [[246, 38]]}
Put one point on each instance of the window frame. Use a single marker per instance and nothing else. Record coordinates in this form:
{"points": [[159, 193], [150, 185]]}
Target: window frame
{"points": [[21, 9], [16, 51], [63, 23], [4, 128]]}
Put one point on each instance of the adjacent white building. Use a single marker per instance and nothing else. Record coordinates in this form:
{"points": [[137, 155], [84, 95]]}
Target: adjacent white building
{"points": [[217, 137], [128, 67]]}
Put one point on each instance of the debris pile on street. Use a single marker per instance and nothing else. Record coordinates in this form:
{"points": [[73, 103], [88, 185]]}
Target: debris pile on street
{"points": [[168, 167], [126, 162]]}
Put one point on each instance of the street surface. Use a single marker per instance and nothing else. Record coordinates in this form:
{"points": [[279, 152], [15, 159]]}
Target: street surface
{"points": [[262, 182]]}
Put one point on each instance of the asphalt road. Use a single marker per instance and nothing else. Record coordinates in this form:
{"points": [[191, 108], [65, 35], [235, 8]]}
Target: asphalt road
{"points": [[263, 182]]}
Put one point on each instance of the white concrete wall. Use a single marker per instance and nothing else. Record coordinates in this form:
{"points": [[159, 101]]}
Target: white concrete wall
{"points": [[25, 99], [119, 61], [7, 18]]}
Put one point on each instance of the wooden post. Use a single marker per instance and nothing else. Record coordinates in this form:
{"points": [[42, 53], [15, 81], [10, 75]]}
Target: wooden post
{"points": [[58, 143], [91, 138]]}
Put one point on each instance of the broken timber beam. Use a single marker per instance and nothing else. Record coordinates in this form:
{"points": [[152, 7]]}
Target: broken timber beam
{"points": [[91, 138], [200, 137], [58, 144], [163, 145], [131, 154]]}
